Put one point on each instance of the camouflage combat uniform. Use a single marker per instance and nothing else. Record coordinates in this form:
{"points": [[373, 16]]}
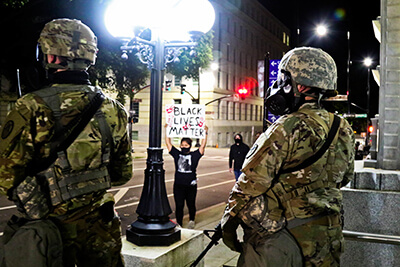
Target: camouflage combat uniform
{"points": [[301, 194], [88, 239]]}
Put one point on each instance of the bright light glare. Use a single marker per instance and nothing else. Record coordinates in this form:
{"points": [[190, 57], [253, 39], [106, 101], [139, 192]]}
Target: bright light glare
{"points": [[214, 66], [122, 16], [321, 30], [367, 61], [171, 18]]}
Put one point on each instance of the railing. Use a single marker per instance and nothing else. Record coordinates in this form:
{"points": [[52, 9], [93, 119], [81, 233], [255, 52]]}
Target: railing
{"points": [[373, 238]]}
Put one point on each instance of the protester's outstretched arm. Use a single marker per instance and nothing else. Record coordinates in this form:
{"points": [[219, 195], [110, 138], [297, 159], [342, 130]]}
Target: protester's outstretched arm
{"points": [[204, 141], [167, 139]]}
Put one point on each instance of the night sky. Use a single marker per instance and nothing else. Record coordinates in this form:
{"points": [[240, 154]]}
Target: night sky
{"points": [[341, 16], [21, 28]]}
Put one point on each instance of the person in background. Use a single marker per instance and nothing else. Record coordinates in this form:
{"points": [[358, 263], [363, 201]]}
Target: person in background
{"points": [[237, 155], [185, 183]]}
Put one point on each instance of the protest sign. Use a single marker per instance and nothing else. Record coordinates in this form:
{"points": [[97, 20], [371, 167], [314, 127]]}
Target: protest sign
{"points": [[185, 120]]}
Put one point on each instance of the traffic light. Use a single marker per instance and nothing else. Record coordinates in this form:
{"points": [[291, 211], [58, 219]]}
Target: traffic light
{"points": [[370, 129], [243, 92], [134, 112], [183, 88], [168, 85]]}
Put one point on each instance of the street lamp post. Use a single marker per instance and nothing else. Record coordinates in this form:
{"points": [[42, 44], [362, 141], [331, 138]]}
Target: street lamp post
{"points": [[368, 63], [322, 30], [153, 226]]}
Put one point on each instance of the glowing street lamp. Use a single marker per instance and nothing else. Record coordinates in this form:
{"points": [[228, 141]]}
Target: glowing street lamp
{"points": [[368, 63], [321, 30], [127, 20]]}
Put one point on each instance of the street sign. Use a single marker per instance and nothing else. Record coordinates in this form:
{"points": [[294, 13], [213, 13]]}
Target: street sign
{"points": [[272, 118], [273, 70], [356, 116]]}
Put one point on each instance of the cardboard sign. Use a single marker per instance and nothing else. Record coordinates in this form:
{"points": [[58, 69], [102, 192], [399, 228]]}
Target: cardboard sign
{"points": [[185, 120]]}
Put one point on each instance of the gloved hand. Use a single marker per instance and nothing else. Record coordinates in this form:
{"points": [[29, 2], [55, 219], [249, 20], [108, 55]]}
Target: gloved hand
{"points": [[229, 235]]}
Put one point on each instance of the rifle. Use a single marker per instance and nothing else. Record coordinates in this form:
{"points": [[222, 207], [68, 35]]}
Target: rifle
{"points": [[214, 241]]}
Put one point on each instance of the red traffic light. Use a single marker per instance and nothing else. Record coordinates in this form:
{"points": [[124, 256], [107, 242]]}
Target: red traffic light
{"points": [[370, 129], [243, 92]]}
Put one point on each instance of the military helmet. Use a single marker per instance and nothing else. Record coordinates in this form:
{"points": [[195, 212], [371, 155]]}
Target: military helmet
{"points": [[69, 38], [310, 67]]}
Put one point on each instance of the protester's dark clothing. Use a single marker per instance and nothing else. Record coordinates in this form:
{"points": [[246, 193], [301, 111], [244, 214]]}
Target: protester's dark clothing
{"points": [[237, 154], [182, 193], [185, 185], [185, 166]]}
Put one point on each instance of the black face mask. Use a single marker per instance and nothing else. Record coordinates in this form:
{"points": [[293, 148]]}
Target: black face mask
{"points": [[280, 96], [238, 141], [185, 150]]}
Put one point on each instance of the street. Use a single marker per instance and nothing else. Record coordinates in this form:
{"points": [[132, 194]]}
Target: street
{"points": [[214, 185]]}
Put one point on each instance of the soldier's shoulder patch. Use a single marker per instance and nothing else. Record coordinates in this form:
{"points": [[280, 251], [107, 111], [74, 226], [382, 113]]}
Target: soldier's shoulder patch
{"points": [[7, 129], [15, 123], [252, 151]]}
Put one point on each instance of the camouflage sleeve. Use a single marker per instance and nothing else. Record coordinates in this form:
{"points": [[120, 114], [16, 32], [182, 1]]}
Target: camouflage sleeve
{"points": [[121, 166], [260, 167], [18, 140], [347, 141]]}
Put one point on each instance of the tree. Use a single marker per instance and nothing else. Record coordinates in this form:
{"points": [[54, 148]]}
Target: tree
{"points": [[189, 66], [126, 77]]}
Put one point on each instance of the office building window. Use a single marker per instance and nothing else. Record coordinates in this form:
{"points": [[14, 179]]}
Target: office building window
{"points": [[135, 135]]}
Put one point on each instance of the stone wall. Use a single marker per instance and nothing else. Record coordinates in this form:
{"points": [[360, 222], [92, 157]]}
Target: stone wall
{"points": [[389, 94], [372, 205]]}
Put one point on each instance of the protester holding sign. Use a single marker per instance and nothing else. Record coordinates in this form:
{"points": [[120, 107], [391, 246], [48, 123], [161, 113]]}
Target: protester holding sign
{"points": [[185, 184]]}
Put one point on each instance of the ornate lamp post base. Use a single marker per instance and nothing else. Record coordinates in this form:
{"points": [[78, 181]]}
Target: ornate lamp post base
{"points": [[153, 226], [144, 233]]}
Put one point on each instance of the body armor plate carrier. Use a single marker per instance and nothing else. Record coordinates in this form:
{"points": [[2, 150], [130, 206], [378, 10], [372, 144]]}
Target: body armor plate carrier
{"points": [[56, 189]]}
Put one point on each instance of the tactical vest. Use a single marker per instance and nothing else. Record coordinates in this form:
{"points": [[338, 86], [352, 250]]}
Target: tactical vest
{"points": [[54, 186], [269, 212]]}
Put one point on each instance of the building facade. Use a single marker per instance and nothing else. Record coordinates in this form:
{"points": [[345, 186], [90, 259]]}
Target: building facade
{"points": [[244, 31]]}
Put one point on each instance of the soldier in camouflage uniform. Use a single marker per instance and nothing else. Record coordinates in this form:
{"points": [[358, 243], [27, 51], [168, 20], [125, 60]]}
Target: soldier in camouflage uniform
{"points": [[99, 157], [292, 218]]}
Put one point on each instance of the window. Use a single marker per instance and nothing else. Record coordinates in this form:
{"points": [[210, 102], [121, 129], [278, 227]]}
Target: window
{"points": [[224, 108], [227, 110], [256, 112], [135, 135], [251, 112], [234, 110], [177, 81], [177, 101], [219, 109]]}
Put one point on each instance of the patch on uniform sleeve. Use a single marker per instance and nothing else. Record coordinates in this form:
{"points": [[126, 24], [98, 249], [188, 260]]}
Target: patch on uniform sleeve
{"points": [[7, 130], [252, 151], [14, 125]]}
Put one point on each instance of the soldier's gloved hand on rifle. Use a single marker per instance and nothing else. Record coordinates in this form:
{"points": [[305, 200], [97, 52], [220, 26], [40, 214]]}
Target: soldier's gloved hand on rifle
{"points": [[229, 235]]}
